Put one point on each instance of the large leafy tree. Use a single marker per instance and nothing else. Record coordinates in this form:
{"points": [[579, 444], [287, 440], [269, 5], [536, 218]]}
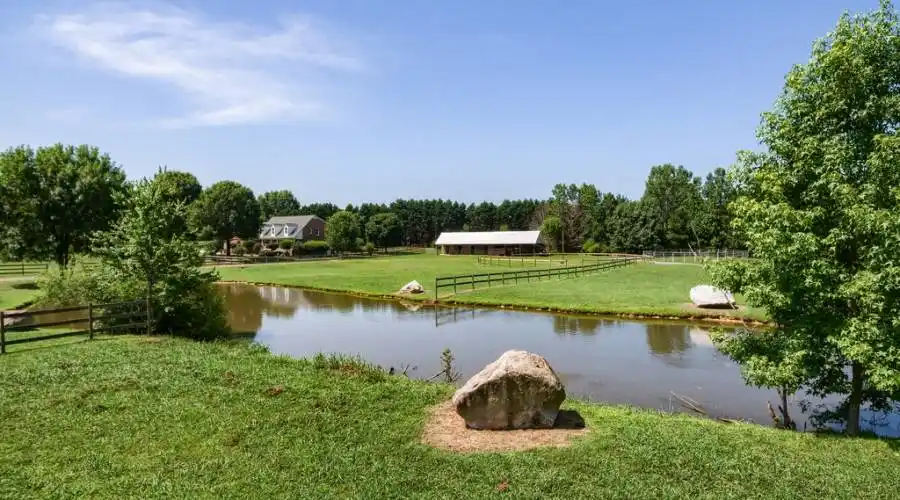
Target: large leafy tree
{"points": [[820, 211], [383, 229], [178, 188], [342, 231], [714, 221], [672, 201], [142, 252], [53, 198], [275, 203], [224, 210]]}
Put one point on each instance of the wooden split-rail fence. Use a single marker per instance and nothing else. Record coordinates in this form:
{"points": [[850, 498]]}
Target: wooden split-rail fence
{"points": [[19, 327]]}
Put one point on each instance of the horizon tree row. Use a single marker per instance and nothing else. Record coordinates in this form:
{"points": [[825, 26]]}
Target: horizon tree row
{"points": [[53, 198]]}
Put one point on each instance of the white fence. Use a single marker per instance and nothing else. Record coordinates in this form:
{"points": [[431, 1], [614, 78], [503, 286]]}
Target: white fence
{"points": [[695, 256]]}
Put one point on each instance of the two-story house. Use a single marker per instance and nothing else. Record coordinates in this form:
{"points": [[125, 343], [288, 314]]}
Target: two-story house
{"points": [[294, 227]]}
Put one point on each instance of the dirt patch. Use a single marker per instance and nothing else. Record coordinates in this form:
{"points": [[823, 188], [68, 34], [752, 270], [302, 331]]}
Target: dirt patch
{"points": [[446, 430]]}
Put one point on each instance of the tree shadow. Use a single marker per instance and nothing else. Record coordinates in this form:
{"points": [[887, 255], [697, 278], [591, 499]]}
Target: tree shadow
{"points": [[28, 285]]}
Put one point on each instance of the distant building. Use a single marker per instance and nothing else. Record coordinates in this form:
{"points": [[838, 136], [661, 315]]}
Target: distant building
{"points": [[294, 227], [490, 243]]}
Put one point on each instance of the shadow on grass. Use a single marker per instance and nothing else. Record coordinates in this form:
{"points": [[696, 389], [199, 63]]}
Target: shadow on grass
{"points": [[29, 285], [569, 419]]}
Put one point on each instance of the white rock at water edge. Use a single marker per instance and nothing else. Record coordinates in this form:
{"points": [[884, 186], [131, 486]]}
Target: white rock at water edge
{"points": [[517, 391], [412, 287], [710, 296]]}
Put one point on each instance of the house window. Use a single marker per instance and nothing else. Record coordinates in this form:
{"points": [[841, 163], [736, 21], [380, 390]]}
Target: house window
{"points": [[316, 231]]}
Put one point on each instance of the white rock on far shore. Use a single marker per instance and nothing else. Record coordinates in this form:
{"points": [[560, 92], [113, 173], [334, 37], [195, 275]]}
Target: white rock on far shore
{"points": [[711, 297]]}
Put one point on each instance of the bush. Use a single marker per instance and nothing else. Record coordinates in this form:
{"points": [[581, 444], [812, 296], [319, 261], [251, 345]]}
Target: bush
{"points": [[315, 247], [249, 245], [238, 251], [369, 248], [590, 246], [286, 244], [257, 247], [298, 248]]}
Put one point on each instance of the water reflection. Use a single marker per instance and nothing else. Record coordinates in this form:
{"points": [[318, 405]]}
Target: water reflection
{"points": [[611, 360]]}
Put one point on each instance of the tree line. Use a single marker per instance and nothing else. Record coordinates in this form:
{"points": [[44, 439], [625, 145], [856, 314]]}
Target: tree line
{"points": [[53, 198]]}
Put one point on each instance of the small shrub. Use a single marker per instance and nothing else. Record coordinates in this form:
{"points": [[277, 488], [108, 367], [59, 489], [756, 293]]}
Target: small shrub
{"points": [[298, 248], [238, 251], [286, 244], [359, 244], [369, 248], [249, 246], [315, 247], [257, 246]]}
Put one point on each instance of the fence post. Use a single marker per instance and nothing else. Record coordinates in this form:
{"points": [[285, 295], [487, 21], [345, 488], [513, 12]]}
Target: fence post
{"points": [[473, 281], [435, 294], [23, 268], [90, 321], [2, 333]]}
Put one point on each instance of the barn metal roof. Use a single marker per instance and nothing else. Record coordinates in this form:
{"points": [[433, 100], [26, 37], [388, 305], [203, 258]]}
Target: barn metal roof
{"points": [[490, 238]]}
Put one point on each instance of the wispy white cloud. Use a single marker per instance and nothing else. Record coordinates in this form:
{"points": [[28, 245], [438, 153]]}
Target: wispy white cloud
{"points": [[230, 72]]}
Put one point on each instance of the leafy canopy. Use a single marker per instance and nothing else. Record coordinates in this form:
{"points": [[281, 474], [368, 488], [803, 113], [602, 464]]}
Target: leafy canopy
{"points": [[144, 255], [226, 209], [53, 198], [274, 203], [342, 231], [820, 210]]}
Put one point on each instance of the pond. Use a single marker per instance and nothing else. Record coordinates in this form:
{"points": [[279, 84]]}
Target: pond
{"points": [[617, 361]]}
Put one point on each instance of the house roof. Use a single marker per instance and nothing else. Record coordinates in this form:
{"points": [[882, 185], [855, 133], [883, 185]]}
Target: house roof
{"points": [[299, 220], [490, 238]]}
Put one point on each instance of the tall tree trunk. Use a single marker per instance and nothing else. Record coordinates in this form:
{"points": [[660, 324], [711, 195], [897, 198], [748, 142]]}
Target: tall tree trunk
{"points": [[857, 375]]}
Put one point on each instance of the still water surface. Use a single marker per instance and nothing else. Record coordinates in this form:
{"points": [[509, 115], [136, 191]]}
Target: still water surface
{"points": [[611, 360]]}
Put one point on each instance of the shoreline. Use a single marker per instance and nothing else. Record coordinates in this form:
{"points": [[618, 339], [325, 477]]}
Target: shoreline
{"points": [[688, 318]]}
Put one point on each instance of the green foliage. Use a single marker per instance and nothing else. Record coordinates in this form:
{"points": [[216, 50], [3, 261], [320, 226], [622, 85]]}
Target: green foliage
{"points": [[820, 210], [274, 203], [315, 247], [369, 248], [177, 186], [383, 229], [297, 248], [342, 231], [590, 246], [250, 245], [256, 248], [551, 229], [286, 244], [226, 209], [142, 254], [53, 198], [672, 205]]}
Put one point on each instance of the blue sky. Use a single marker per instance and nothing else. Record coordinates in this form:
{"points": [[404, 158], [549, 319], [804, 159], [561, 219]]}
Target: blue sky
{"points": [[365, 100]]}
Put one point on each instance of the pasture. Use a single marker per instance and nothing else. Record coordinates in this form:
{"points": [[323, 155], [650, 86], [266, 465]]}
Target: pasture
{"points": [[640, 289]]}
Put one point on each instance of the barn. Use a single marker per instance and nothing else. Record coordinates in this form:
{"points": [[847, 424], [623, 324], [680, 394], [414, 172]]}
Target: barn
{"points": [[490, 243]]}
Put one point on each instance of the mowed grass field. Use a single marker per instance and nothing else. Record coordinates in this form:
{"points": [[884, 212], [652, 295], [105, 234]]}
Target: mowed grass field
{"points": [[640, 289], [133, 417], [15, 292]]}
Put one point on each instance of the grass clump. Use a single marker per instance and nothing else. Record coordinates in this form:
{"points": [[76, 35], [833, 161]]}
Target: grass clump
{"points": [[172, 418]]}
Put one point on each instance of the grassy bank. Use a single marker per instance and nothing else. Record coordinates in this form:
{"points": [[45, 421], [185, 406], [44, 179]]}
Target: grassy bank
{"points": [[162, 418], [16, 292], [641, 289]]}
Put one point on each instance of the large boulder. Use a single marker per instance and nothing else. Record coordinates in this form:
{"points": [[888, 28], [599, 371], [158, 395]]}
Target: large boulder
{"points": [[711, 297], [517, 391]]}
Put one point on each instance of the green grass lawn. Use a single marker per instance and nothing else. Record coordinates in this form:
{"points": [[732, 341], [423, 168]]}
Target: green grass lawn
{"points": [[640, 289], [16, 292], [131, 417]]}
